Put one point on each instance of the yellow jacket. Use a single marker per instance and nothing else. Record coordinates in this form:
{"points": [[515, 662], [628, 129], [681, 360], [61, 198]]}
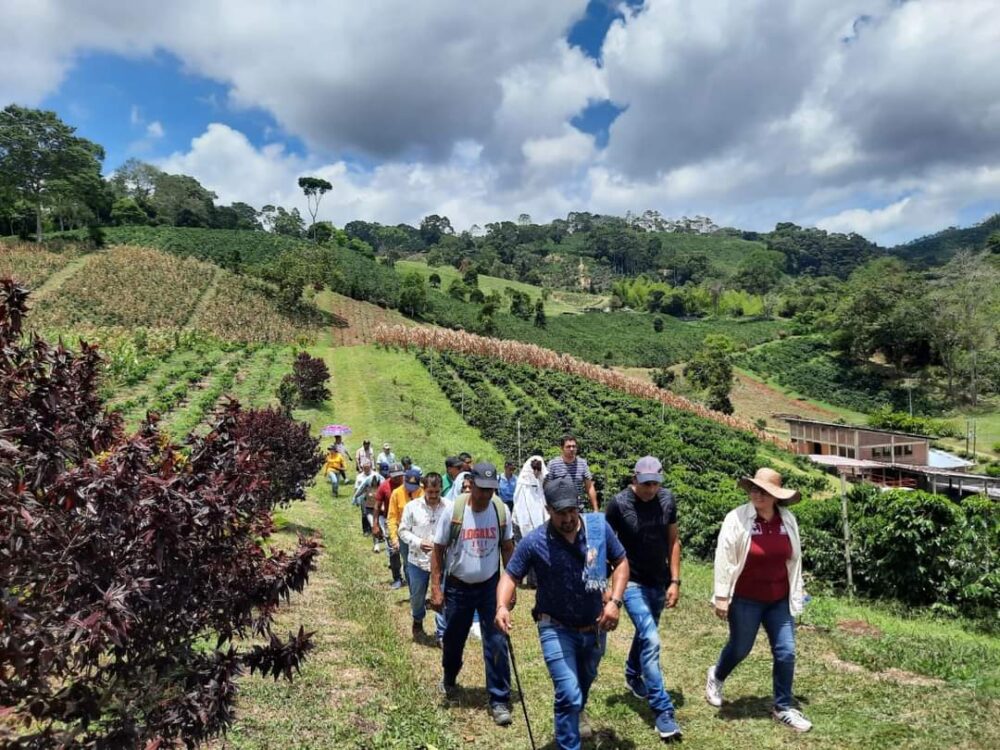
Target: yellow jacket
{"points": [[334, 462], [397, 501]]}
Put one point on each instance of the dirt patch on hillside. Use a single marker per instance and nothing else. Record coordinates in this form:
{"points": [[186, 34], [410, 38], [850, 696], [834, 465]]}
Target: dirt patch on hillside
{"points": [[858, 627], [753, 400], [357, 320]]}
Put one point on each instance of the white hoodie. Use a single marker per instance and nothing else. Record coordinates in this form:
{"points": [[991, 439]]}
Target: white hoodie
{"points": [[734, 546], [529, 499]]}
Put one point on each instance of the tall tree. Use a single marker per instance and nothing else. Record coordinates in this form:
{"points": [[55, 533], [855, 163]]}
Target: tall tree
{"points": [[39, 155], [314, 188], [434, 227], [967, 297], [711, 370]]}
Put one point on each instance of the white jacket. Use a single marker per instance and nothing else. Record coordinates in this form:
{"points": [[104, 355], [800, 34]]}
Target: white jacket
{"points": [[734, 546]]}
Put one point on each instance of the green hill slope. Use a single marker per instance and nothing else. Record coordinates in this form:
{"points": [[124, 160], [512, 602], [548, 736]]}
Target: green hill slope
{"points": [[936, 249]]}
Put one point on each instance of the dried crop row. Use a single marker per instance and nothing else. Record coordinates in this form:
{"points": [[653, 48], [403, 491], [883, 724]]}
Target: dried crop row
{"points": [[239, 311], [126, 286], [528, 354], [29, 264]]}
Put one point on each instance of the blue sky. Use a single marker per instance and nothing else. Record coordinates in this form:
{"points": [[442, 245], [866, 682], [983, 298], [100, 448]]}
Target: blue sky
{"points": [[112, 100], [486, 110]]}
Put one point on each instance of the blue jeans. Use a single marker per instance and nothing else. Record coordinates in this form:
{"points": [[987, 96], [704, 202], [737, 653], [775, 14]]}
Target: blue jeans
{"points": [[394, 566], [572, 659], [644, 605], [461, 601], [419, 580], [334, 479], [745, 618]]}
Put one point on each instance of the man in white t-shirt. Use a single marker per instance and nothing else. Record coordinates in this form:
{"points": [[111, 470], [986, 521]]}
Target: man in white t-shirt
{"points": [[466, 560]]}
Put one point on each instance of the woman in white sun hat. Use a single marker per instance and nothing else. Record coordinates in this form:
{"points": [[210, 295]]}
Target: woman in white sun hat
{"points": [[758, 581]]}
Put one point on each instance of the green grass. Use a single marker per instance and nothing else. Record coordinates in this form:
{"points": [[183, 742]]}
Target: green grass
{"points": [[558, 303], [367, 686]]}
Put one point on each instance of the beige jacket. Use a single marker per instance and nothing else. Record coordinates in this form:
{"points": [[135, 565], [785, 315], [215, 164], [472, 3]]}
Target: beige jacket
{"points": [[734, 546]]}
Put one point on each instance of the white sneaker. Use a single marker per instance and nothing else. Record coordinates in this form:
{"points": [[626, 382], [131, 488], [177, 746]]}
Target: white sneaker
{"points": [[476, 631], [792, 718], [713, 689]]}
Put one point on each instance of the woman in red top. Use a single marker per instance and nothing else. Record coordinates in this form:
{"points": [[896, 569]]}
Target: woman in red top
{"points": [[758, 581]]}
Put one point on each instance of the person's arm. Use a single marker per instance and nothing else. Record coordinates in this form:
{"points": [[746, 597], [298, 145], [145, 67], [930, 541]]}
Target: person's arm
{"points": [[608, 619], [591, 493], [674, 545], [395, 511], [505, 600], [405, 528], [437, 576], [724, 552]]}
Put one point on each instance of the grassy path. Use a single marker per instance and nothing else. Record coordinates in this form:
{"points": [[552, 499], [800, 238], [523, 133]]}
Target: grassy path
{"points": [[368, 686], [60, 277]]}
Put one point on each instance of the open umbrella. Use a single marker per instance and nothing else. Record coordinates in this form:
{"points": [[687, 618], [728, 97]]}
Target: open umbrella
{"points": [[332, 430]]}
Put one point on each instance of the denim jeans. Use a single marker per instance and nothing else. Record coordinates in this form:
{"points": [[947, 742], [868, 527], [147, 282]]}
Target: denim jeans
{"points": [[394, 564], [419, 580], [745, 618], [572, 659], [461, 601], [334, 479], [644, 605], [366, 520]]}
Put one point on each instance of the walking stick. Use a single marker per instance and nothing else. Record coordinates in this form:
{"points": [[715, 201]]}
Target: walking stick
{"points": [[520, 691]]}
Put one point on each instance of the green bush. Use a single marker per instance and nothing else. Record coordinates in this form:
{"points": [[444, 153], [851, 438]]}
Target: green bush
{"points": [[807, 366], [925, 549]]}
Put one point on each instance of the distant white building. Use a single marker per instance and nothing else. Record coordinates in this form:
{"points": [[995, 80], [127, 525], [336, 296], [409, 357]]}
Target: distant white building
{"points": [[652, 221]]}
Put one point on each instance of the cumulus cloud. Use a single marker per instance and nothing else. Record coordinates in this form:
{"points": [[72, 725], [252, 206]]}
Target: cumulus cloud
{"points": [[877, 116]]}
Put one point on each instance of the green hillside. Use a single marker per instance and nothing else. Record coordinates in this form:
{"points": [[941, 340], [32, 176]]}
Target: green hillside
{"points": [[559, 301], [936, 249]]}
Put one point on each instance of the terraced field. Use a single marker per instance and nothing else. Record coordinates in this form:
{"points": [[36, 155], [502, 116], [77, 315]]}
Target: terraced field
{"points": [[189, 386], [31, 265]]}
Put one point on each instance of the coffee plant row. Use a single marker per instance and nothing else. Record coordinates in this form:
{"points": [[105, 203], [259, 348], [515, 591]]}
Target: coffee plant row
{"points": [[807, 366], [702, 459], [130, 565], [535, 356]]}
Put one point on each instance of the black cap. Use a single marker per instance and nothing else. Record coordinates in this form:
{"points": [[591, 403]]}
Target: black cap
{"points": [[453, 462], [561, 494], [396, 470], [484, 476]]}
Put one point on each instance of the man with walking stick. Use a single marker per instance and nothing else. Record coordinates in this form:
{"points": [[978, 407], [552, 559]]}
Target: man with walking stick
{"points": [[570, 556]]}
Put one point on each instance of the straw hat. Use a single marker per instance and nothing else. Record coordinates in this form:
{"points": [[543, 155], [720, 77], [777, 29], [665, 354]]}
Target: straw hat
{"points": [[769, 480]]}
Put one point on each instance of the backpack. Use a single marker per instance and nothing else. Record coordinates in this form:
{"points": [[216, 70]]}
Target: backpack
{"points": [[458, 516]]}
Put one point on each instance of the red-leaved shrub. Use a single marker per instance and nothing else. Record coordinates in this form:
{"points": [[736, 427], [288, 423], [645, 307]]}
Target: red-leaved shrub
{"points": [[128, 566], [310, 375]]}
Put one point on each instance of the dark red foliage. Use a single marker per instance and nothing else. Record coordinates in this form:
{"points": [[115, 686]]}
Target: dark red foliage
{"points": [[310, 375], [120, 559]]}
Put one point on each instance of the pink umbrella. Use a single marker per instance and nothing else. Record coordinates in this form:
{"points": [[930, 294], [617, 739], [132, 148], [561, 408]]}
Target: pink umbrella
{"points": [[332, 430]]}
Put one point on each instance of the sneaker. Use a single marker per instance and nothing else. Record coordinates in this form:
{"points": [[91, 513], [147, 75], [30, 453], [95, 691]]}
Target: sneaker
{"points": [[449, 692], [586, 731], [792, 718], [667, 726], [376, 548], [713, 689], [396, 585], [501, 714], [476, 631], [638, 686]]}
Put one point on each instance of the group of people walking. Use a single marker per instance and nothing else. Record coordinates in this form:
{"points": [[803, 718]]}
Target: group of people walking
{"points": [[465, 540]]}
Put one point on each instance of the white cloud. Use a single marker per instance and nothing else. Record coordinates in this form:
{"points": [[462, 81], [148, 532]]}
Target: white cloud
{"points": [[878, 116]]}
